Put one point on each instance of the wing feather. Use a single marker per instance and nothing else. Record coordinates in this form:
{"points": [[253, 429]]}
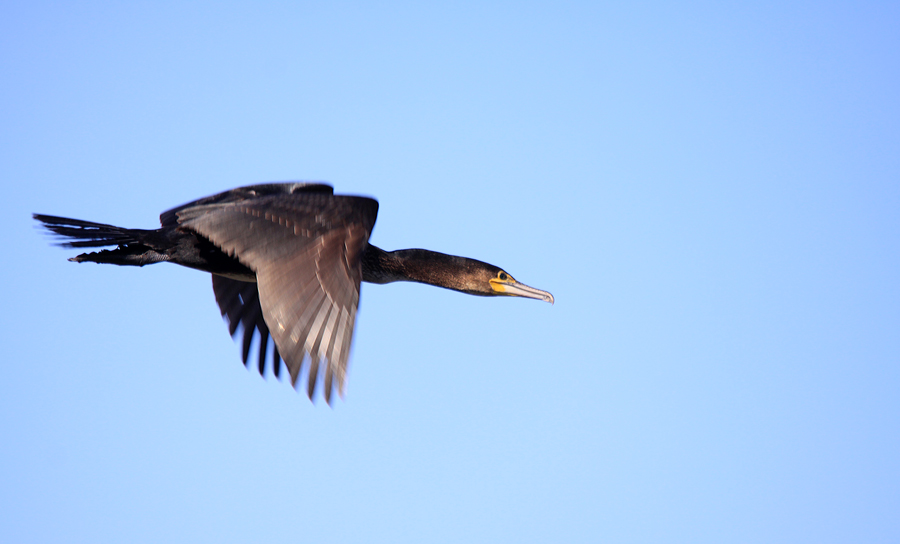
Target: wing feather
{"points": [[239, 304]]}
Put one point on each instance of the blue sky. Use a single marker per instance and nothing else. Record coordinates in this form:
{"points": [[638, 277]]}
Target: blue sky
{"points": [[710, 192]]}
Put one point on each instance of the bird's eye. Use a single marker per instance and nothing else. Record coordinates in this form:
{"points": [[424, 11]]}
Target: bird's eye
{"points": [[503, 276]]}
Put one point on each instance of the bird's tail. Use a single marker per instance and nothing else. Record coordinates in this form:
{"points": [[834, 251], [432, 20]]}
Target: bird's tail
{"points": [[133, 249]]}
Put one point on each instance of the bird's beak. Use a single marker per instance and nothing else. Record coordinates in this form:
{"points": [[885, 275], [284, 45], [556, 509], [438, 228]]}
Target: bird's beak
{"points": [[516, 289]]}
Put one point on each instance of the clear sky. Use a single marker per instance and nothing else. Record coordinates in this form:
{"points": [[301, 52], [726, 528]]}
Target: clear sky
{"points": [[710, 192]]}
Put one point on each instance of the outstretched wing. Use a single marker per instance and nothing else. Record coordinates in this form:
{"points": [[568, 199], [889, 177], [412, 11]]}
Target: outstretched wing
{"points": [[306, 250], [239, 303], [170, 218]]}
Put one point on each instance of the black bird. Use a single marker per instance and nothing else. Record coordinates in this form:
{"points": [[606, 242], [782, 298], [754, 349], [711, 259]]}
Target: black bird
{"points": [[286, 259]]}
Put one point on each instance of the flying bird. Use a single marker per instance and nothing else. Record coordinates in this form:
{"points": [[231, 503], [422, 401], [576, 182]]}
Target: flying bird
{"points": [[286, 260]]}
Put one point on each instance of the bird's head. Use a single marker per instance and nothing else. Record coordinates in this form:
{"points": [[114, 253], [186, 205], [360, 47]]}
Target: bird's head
{"points": [[503, 284]]}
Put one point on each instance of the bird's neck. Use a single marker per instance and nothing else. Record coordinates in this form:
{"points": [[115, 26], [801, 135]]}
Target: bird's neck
{"points": [[418, 265]]}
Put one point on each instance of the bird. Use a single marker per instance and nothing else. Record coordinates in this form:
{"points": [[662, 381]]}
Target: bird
{"points": [[286, 261]]}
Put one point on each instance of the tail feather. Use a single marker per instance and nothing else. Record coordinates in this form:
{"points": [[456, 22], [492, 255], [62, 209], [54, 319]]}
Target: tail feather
{"points": [[85, 233], [134, 245]]}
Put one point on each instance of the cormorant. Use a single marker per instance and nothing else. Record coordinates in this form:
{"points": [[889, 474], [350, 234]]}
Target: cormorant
{"points": [[286, 259]]}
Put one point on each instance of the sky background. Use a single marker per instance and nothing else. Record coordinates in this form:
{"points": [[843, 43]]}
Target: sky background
{"points": [[710, 192]]}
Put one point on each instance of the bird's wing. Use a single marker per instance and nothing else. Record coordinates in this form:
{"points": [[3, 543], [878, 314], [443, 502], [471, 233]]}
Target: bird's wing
{"points": [[306, 250], [239, 303], [169, 218]]}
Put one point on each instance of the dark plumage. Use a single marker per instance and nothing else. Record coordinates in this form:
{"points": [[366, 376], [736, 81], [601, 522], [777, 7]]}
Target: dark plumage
{"points": [[286, 260]]}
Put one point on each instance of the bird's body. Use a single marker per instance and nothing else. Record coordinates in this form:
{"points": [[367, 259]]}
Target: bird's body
{"points": [[286, 260]]}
